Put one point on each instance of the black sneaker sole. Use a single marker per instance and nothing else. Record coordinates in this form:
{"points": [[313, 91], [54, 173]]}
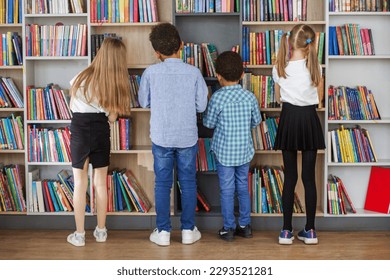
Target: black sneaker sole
{"points": [[245, 236], [227, 238]]}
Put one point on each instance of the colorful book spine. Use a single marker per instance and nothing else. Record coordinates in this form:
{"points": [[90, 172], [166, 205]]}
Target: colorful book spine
{"points": [[11, 189]]}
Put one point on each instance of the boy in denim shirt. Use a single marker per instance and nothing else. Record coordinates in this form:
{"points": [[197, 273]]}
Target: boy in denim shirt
{"points": [[175, 92], [232, 112]]}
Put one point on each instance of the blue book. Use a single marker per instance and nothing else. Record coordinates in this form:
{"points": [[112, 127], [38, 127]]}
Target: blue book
{"points": [[141, 11], [264, 204], [131, 10], [149, 11], [74, 39], [105, 10], [117, 12], [10, 7], [268, 46], [99, 17], [119, 198], [53, 196]]}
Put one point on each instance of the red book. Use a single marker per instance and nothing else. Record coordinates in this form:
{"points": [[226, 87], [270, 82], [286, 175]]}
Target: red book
{"points": [[378, 190], [45, 187], [136, 12]]}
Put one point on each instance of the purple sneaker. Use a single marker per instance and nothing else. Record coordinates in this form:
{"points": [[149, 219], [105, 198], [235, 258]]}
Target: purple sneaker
{"points": [[309, 237]]}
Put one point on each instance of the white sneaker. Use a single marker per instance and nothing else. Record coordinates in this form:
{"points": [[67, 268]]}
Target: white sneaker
{"points": [[162, 238], [190, 236], [100, 234], [76, 239]]}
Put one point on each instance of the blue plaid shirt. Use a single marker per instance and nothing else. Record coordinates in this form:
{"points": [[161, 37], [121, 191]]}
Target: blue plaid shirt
{"points": [[232, 111]]}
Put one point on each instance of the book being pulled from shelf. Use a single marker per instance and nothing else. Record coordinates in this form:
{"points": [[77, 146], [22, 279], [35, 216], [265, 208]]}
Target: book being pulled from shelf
{"points": [[55, 7], [56, 40], [48, 144], [10, 11], [12, 194], [205, 159], [125, 193], [350, 145], [378, 190], [48, 103], [202, 56], [207, 6], [11, 49], [11, 133], [263, 87], [10, 96], [350, 39], [97, 41], [345, 103], [120, 134], [263, 135], [358, 5], [265, 186], [275, 10], [339, 202], [115, 11]]}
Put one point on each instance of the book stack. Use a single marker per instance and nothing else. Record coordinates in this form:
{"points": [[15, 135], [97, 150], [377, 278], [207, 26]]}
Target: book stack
{"points": [[11, 188], [10, 96], [103, 11], [274, 10], [265, 186], [97, 41], [207, 6], [345, 103], [125, 193], [339, 202], [135, 81], [11, 49], [202, 56], [54, 7], [48, 144], [263, 135], [350, 39], [263, 87], [358, 5], [10, 11], [48, 103], [56, 40], [11, 133], [120, 131], [351, 145], [205, 159]]}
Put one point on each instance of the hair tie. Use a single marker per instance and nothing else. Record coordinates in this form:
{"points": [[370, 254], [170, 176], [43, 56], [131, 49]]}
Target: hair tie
{"points": [[308, 41]]}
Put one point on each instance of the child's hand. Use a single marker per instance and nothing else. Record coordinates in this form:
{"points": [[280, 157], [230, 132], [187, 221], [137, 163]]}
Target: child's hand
{"points": [[112, 117]]}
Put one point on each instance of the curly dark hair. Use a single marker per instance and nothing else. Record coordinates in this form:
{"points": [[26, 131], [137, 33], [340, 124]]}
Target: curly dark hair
{"points": [[229, 66], [165, 39]]}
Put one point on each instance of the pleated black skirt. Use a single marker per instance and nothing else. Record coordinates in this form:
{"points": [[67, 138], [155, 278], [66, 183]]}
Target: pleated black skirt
{"points": [[299, 129], [90, 138]]}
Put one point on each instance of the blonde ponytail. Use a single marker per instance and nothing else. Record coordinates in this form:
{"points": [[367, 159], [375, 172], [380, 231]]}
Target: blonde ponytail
{"points": [[312, 64], [283, 56]]}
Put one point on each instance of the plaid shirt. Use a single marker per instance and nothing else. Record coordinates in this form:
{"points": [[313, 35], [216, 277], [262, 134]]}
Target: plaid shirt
{"points": [[232, 111]]}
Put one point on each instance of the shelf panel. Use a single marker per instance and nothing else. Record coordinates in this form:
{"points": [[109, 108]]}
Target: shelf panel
{"points": [[380, 162], [55, 15], [12, 151], [123, 24], [280, 109], [268, 23], [266, 66], [206, 14], [383, 121], [48, 121], [134, 150], [8, 25], [280, 152], [359, 13], [50, 163], [11, 109], [11, 67], [32, 58], [357, 57], [359, 214], [12, 213]]}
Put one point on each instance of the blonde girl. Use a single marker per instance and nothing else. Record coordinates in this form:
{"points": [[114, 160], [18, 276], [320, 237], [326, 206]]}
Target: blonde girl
{"points": [[98, 94]]}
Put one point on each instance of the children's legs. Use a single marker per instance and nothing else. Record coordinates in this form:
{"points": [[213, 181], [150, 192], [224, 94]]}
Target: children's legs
{"points": [[241, 180], [290, 180], [227, 190], [309, 182], [186, 169], [163, 170], [100, 183], [79, 197]]}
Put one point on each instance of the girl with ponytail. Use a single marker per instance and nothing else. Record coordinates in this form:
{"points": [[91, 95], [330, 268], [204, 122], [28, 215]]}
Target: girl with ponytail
{"points": [[297, 74]]}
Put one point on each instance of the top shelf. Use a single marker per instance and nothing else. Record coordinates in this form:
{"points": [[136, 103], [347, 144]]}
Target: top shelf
{"points": [[359, 13], [267, 23], [206, 14], [55, 15]]}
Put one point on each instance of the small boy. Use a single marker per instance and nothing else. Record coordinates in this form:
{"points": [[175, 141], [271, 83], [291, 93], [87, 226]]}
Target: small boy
{"points": [[175, 92], [232, 111]]}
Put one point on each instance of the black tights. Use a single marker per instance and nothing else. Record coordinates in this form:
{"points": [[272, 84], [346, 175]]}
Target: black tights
{"points": [[290, 181]]}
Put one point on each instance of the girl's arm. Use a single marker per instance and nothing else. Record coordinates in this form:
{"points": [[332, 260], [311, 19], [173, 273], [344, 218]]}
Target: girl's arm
{"points": [[277, 92], [112, 117]]}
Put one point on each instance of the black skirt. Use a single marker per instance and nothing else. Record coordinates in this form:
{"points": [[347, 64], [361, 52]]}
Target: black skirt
{"points": [[299, 129], [90, 138]]}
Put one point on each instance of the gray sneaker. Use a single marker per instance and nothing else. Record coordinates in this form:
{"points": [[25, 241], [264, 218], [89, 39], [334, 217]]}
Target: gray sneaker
{"points": [[100, 234], [76, 239]]}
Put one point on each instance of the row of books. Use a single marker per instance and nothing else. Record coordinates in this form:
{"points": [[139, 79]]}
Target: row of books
{"points": [[55, 7], [205, 159], [121, 11], [10, 96], [48, 103], [135, 81], [202, 203], [48, 144], [351, 145], [345, 103], [274, 10], [11, 49], [11, 133], [53, 195], [202, 56], [339, 202], [10, 11], [56, 40], [262, 47], [350, 39], [263, 87], [11, 188], [125, 193], [121, 133], [265, 186], [263, 135], [97, 41], [207, 6], [359, 5]]}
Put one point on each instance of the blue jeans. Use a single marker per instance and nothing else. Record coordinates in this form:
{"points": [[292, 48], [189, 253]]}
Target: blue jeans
{"points": [[164, 159], [234, 179]]}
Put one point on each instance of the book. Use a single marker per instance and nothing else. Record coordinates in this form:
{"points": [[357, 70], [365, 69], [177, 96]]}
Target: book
{"points": [[378, 190]]}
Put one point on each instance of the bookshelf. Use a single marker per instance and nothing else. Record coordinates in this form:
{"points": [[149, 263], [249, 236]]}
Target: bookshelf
{"points": [[372, 72]]}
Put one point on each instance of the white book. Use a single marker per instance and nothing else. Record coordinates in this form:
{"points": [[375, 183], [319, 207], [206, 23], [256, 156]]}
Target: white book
{"points": [[32, 176], [41, 202]]}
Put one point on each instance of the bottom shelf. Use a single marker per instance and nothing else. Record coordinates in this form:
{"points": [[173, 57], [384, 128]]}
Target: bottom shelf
{"points": [[360, 212]]}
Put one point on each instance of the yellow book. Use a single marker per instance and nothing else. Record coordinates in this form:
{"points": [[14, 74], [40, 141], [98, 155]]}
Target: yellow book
{"points": [[121, 10], [341, 143], [16, 11], [109, 19]]}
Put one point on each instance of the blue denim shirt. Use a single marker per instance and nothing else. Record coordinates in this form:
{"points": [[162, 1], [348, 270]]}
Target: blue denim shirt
{"points": [[175, 92]]}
